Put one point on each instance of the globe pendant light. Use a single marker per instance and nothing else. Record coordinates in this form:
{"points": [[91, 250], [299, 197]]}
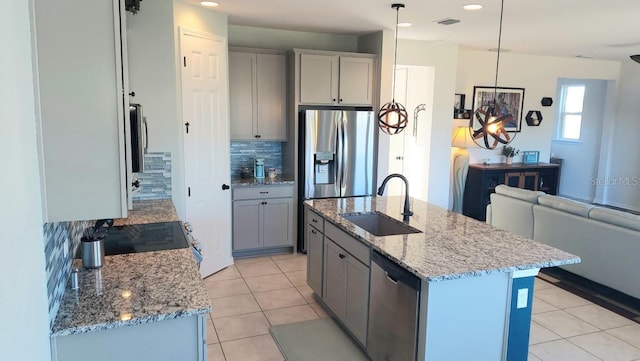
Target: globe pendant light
{"points": [[393, 117], [487, 124]]}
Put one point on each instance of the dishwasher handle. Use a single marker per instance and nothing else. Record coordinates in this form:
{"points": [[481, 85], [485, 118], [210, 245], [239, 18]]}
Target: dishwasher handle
{"points": [[390, 278], [394, 272]]}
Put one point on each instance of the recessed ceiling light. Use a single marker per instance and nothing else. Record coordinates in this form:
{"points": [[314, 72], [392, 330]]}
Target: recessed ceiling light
{"points": [[472, 7], [208, 3], [404, 25]]}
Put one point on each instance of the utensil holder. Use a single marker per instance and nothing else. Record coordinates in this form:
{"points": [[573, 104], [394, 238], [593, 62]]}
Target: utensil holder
{"points": [[92, 253]]}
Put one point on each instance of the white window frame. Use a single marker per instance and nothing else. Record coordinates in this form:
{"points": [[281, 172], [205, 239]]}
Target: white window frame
{"points": [[562, 113]]}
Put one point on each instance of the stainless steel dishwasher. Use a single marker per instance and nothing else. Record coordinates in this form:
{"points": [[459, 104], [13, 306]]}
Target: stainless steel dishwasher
{"points": [[393, 311]]}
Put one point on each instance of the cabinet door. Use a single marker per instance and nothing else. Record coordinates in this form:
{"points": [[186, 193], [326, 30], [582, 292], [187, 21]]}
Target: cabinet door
{"points": [[272, 94], [356, 81], [80, 98], [276, 222], [242, 95], [548, 180], [315, 250], [318, 79], [357, 298], [246, 225], [512, 179], [530, 181], [334, 287]]}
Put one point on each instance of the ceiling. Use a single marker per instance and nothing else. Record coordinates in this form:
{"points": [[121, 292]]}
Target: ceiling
{"points": [[602, 29]]}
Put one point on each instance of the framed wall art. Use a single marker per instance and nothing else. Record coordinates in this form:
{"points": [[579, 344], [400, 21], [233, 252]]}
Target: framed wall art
{"points": [[530, 157], [510, 100], [458, 106]]}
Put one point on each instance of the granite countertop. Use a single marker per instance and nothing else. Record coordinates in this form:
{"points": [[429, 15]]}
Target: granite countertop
{"points": [[237, 182], [451, 246], [133, 289], [149, 211]]}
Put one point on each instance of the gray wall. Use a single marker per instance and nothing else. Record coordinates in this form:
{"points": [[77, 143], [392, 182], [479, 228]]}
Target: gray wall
{"points": [[624, 157], [23, 305], [581, 159], [152, 76]]}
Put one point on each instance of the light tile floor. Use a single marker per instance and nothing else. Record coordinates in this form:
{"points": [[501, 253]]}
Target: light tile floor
{"points": [[256, 293]]}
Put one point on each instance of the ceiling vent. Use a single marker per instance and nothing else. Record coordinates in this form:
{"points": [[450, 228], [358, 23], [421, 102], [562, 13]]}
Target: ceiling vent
{"points": [[447, 21]]}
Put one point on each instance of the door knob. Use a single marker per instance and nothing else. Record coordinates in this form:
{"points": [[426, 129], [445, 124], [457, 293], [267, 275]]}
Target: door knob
{"points": [[225, 187]]}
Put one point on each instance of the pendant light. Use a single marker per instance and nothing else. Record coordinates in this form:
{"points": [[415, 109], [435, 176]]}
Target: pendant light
{"points": [[393, 117], [487, 124]]}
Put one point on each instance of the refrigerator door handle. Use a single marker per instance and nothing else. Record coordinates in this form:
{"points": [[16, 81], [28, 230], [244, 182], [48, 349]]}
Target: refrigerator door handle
{"points": [[345, 146], [339, 152]]}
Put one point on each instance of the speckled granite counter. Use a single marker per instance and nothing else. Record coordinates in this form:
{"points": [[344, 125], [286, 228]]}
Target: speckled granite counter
{"points": [[253, 182], [153, 211], [452, 245], [133, 289]]}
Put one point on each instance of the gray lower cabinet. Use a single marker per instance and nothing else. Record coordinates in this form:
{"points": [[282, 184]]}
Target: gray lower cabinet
{"points": [[346, 288], [315, 251], [262, 218], [168, 340]]}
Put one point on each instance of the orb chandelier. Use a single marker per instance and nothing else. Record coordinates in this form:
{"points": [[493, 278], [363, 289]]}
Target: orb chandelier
{"points": [[487, 124], [393, 117]]}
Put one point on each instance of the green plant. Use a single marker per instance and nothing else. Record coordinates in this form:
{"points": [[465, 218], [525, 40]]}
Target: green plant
{"points": [[509, 151]]}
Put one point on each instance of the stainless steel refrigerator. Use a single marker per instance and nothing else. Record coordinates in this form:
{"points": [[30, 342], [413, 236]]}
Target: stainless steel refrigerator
{"points": [[338, 156]]}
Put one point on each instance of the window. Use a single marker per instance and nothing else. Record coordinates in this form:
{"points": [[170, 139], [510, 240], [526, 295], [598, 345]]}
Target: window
{"points": [[571, 101]]}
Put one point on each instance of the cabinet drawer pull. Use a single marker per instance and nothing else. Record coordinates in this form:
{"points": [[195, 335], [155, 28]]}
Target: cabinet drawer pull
{"points": [[314, 220], [264, 192], [314, 231], [342, 256]]}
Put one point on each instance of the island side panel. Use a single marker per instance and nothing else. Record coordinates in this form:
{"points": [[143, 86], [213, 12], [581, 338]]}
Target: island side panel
{"points": [[464, 318], [520, 317], [176, 339]]}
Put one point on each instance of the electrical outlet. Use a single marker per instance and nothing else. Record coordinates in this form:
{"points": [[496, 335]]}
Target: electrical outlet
{"points": [[523, 298], [65, 249]]}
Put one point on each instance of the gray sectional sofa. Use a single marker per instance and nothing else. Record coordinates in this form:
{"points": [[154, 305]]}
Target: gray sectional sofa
{"points": [[607, 240]]}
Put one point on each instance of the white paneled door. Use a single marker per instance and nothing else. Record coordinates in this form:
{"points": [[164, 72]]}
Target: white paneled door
{"points": [[205, 108]]}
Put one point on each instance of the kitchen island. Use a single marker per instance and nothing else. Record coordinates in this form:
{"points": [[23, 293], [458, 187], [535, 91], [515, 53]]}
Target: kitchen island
{"points": [[476, 281], [138, 306]]}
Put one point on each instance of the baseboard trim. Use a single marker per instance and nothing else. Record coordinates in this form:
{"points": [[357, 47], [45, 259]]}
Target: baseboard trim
{"points": [[613, 300]]}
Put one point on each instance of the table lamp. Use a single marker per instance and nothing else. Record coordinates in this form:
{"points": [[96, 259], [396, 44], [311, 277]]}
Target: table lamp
{"points": [[461, 139]]}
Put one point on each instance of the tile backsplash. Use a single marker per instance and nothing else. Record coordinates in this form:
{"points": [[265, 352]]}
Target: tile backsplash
{"points": [[244, 153], [62, 240], [155, 181]]}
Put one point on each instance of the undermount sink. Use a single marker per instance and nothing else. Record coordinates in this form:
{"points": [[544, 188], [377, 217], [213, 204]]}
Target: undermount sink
{"points": [[379, 224]]}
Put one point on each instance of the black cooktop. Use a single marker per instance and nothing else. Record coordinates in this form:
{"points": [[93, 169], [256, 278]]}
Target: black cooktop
{"points": [[145, 238]]}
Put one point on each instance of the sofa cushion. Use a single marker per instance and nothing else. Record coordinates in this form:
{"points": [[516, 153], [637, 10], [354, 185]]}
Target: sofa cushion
{"points": [[513, 215], [518, 193], [565, 204], [619, 218]]}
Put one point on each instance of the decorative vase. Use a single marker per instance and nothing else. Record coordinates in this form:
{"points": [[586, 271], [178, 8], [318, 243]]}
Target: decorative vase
{"points": [[509, 160]]}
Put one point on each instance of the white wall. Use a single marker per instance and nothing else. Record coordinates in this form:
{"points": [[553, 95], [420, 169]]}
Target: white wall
{"points": [[24, 328], [381, 43], [444, 57], [254, 37], [539, 76], [624, 158]]}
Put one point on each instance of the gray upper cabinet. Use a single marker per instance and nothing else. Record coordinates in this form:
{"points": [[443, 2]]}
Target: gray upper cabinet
{"points": [[257, 94], [81, 102], [336, 79]]}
